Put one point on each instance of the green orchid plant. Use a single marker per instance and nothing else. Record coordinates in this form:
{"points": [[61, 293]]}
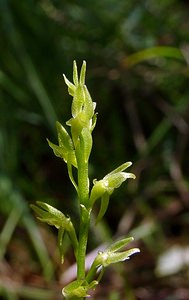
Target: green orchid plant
{"points": [[74, 148]]}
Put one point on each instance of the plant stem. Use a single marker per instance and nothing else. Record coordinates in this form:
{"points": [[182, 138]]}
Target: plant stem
{"points": [[83, 238], [83, 194], [83, 184]]}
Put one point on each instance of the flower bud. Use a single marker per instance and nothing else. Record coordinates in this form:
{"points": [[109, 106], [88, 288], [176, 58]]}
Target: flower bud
{"points": [[78, 288]]}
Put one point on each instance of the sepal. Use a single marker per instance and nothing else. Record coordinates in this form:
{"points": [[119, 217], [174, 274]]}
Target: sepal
{"points": [[117, 245]]}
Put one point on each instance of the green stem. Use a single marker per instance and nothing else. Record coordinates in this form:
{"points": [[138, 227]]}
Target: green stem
{"points": [[83, 239], [83, 182], [83, 194]]}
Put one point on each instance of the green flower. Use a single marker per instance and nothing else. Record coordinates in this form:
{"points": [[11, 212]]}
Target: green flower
{"points": [[52, 216], [104, 188], [110, 256], [79, 288], [65, 149], [83, 107]]}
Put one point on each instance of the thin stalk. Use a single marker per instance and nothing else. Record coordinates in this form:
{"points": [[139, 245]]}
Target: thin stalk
{"points": [[83, 239], [83, 193], [83, 180]]}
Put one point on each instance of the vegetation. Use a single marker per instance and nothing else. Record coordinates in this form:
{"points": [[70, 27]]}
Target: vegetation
{"points": [[137, 57], [75, 151]]}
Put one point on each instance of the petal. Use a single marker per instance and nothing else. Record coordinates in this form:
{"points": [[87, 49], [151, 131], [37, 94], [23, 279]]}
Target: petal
{"points": [[117, 245], [75, 73], [82, 73], [121, 168], [71, 86]]}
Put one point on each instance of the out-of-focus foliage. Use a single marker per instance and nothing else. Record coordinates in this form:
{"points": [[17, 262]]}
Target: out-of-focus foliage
{"points": [[142, 99]]}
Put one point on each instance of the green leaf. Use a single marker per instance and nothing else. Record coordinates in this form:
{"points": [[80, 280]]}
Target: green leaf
{"points": [[149, 53], [85, 214]]}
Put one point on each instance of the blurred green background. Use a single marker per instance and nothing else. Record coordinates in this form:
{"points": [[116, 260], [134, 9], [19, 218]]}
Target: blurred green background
{"points": [[137, 55]]}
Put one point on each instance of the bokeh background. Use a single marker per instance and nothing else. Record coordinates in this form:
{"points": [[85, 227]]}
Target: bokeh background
{"points": [[137, 55]]}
